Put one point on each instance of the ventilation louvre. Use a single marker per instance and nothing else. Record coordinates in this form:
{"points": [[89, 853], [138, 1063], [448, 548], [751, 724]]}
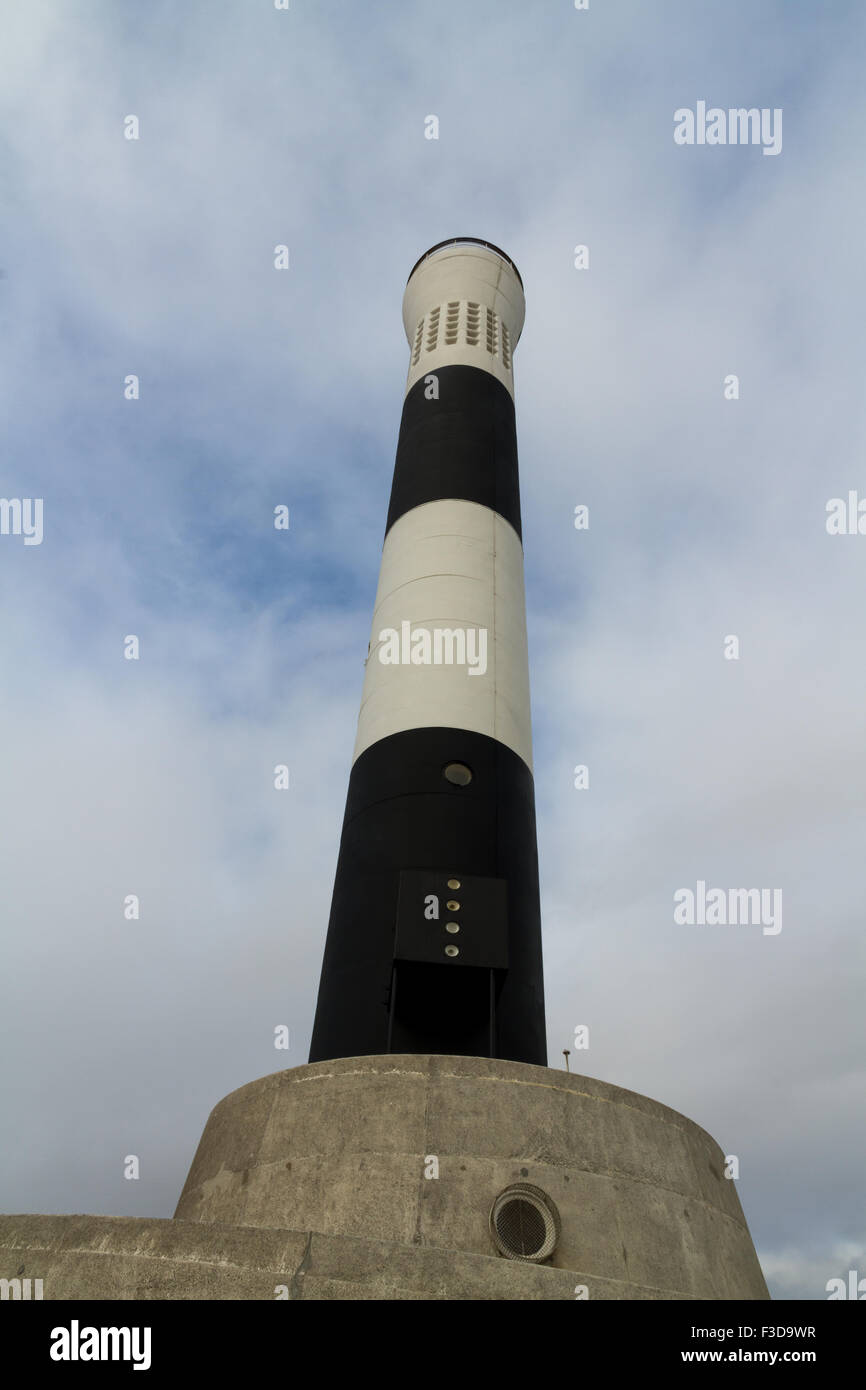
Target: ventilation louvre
{"points": [[524, 1223], [466, 323]]}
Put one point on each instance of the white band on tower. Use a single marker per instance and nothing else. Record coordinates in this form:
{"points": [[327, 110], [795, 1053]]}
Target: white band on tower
{"points": [[449, 567]]}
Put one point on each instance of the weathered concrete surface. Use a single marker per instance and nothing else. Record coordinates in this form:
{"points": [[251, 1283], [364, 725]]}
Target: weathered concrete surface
{"points": [[106, 1257], [79, 1257], [340, 1147], [312, 1180]]}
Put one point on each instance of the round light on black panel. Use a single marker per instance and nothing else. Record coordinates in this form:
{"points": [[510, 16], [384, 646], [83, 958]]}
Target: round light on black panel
{"points": [[458, 774], [453, 883]]}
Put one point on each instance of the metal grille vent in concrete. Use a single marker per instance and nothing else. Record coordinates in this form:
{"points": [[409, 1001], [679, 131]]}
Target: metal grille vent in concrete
{"points": [[524, 1223]]}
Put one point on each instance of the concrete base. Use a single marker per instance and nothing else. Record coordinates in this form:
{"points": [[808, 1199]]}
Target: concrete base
{"points": [[311, 1183], [106, 1257]]}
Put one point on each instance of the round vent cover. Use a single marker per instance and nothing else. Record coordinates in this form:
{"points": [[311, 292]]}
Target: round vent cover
{"points": [[524, 1223]]}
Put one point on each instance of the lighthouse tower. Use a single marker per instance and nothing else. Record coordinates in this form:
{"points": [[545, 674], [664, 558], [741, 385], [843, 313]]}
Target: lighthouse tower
{"points": [[434, 942], [426, 1151]]}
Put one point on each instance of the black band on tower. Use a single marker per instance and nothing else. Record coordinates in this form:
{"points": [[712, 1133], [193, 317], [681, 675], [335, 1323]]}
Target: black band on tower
{"points": [[403, 814], [463, 444]]}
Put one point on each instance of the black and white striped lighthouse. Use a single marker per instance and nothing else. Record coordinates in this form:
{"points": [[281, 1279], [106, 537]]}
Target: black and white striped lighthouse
{"points": [[315, 1179], [434, 940]]}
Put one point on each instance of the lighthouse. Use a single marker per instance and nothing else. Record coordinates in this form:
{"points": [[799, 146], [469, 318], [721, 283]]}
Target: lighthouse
{"points": [[434, 940], [426, 1151]]}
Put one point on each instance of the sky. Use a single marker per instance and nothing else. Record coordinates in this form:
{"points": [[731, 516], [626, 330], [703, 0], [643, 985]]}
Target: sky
{"points": [[260, 387]]}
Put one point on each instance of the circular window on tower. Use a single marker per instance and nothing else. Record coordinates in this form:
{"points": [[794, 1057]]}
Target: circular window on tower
{"points": [[524, 1223], [458, 774]]}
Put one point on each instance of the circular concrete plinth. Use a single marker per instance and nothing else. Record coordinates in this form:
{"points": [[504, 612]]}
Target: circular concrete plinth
{"points": [[415, 1150]]}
